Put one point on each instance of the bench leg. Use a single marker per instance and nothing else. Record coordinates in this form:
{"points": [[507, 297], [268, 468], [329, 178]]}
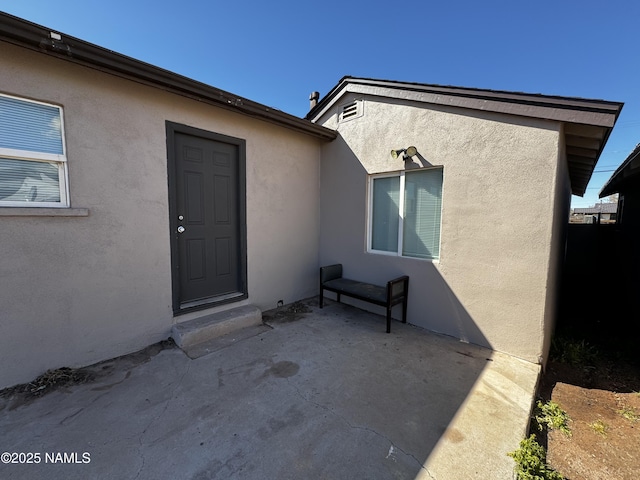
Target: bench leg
{"points": [[404, 309], [321, 296], [338, 294], [389, 319]]}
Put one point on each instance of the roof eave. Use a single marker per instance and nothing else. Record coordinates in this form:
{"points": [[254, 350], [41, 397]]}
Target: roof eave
{"points": [[567, 109], [588, 123], [38, 38], [622, 174]]}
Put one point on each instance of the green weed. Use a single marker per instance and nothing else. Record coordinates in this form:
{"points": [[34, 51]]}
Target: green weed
{"points": [[573, 352], [599, 427], [629, 414], [531, 461], [551, 416]]}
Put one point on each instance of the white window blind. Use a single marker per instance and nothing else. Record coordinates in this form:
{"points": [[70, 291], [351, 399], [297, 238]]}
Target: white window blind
{"points": [[405, 213], [32, 156], [30, 126], [25, 181], [422, 207]]}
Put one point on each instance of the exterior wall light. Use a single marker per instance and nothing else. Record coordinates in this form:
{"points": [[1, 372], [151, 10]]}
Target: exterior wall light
{"points": [[408, 152]]}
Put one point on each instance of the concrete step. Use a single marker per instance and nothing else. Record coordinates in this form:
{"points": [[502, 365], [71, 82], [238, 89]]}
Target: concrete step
{"points": [[200, 330], [205, 348]]}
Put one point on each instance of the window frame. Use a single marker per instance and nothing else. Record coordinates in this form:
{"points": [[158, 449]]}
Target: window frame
{"points": [[401, 213], [60, 160]]}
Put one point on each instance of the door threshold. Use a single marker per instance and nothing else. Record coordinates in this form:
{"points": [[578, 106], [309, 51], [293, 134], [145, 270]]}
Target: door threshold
{"points": [[210, 300]]}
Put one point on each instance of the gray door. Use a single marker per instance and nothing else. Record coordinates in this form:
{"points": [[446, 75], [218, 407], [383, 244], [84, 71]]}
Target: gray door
{"points": [[208, 221]]}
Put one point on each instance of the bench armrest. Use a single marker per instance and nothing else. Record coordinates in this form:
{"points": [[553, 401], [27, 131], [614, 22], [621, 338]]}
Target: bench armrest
{"points": [[397, 288], [330, 272]]}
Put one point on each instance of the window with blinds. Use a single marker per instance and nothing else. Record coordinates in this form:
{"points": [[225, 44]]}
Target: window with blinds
{"points": [[32, 154], [405, 213]]}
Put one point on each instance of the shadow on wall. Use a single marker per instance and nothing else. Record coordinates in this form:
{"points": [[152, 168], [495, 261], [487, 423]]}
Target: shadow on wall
{"points": [[441, 380], [433, 305], [418, 161], [343, 239]]}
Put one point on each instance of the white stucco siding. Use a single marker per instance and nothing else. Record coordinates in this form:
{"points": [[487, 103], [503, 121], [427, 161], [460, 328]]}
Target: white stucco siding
{"points": [[80, 290], [490, 283]]}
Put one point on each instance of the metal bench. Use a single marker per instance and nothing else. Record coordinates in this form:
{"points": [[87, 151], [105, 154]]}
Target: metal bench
{"points": [[394, 293]]}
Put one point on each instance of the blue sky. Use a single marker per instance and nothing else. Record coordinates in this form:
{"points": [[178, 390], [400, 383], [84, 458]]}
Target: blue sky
{"points": [[277, 52]]}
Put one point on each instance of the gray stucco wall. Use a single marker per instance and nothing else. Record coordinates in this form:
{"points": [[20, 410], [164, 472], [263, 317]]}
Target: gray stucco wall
{"points": [[80, 290], [560, 228], [489, 286]]}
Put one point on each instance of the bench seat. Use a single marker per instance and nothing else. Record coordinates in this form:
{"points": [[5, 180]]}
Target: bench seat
{"points": [[394, 293], [365, 291]]}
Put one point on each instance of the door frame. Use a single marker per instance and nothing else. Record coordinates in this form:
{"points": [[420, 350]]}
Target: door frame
{"points": [[171, 129]]}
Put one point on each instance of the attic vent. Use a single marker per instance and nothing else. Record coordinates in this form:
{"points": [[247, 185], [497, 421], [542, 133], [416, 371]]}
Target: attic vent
{"points": [[351, 110]]}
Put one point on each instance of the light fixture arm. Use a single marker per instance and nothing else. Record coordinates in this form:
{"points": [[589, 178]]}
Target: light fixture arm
{"points": [[408, 153]]}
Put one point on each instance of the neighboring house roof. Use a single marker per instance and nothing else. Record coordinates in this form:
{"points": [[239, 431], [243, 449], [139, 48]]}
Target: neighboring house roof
{"points": [[587, 123], [41, 39], [630, 168], [608, 207]]}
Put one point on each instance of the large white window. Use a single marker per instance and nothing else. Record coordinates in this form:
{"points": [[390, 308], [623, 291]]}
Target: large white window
{"points": [[404, 213], [33, 163]]}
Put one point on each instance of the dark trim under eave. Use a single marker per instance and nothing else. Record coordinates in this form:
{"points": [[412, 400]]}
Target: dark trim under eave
{"points": [[621, 175], [518, 99], [35, 37]]}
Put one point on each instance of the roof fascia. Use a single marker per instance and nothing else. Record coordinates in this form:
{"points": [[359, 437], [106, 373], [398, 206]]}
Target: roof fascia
{"points": [[622, 173], [562, 109], [38, 38]]}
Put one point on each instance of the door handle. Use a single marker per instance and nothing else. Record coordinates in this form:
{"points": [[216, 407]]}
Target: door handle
{"points": [[180, 229]]}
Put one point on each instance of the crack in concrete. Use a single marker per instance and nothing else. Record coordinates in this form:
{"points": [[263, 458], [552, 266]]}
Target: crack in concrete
{"points": [[428, 473], [70, 416], [345, 420], [385, 437], [172, 397], [144, 462]]}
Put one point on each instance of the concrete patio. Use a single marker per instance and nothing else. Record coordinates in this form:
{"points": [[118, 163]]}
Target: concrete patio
{"points": [[323, 394]]}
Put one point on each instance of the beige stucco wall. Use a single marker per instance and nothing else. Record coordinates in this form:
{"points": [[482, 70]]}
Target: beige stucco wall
{"points": [[490, 284], [79, 290], [560, 226]]}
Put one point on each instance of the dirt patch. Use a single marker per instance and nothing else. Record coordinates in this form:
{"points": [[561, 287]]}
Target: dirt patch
{"points": [[598, 388], [605, 434], [288, 313], [50, 381], [61, 378]]}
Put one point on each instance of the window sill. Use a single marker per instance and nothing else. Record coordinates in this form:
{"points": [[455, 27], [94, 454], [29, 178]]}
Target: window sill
{"points": [[43, 212], [403, 257]]}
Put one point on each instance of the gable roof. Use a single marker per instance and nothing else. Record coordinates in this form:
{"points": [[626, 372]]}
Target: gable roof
{"points": [[608, 207], [625, 172], [50, 42], [587, 123]]}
